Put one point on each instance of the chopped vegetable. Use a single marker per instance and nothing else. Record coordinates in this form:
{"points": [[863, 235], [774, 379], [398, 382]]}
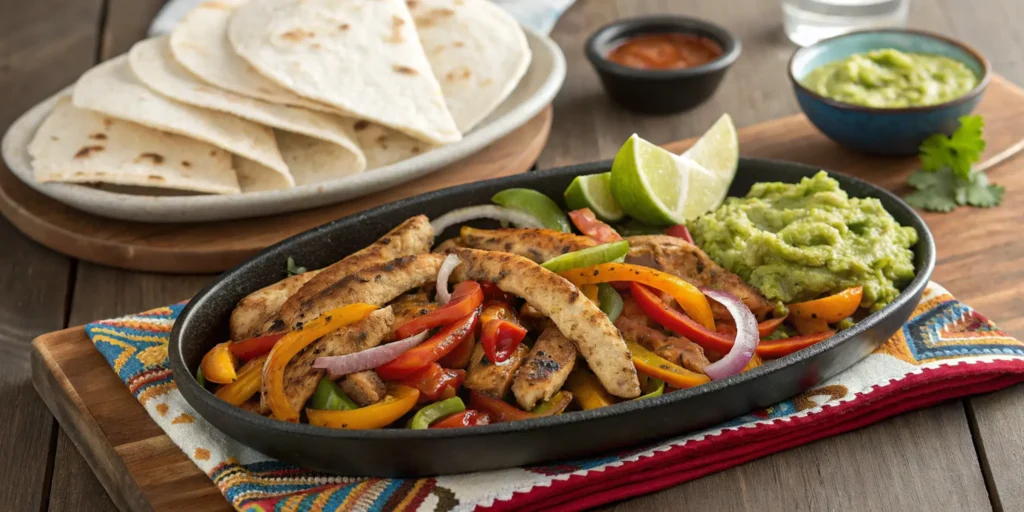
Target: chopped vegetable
{"points": [[459, 357], [338, 366], [587, 223], [330, 397], [677, 322], [679, 231], [450, 262], [554, 405], [832, 308], [219, 364], [436, 411], [467, 418], [399, 400], [484, 211], [654, 388], [590, 291], [293, 269], [653, 365], [536, 204], [688, 296], [604, 253], [587, 390], [498, 310], [250, 378], [254, 347], [293, 343], [745, 342], [500, 339], [768, 327], [435, 382], [809, 325], [772, 349], [467, 297], [498, 410], [431, 350], [946, 179], [609, 301]]}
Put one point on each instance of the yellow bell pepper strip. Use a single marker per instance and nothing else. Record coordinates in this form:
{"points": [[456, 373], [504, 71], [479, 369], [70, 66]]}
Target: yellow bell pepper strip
{"points": [[219, 364], [399, 400], [590, 291], [587, 390], [554, 405], [653, 365], [329, 397], [754, 363], [832, 308], [250, 378], [292, 343], [693, 302], [434, 412]]}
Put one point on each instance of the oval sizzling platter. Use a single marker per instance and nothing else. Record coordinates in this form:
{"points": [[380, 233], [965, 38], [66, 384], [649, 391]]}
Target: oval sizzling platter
{"points": [[535, 91], [402, 452]]}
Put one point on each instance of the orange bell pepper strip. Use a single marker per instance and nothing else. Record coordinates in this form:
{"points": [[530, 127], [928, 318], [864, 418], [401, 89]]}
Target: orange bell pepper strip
{"points": [[809, 325], [832, 308], [399, 400], [590, 291], [292, 343], [766, 328], [250, 378], [754, 363], [771, 349], [653, 365], [435, 383], [587, 390], [693, 302], [219, 364]]}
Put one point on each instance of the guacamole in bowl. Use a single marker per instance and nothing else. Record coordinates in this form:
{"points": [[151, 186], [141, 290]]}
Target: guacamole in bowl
{"points": [[798, 242]]}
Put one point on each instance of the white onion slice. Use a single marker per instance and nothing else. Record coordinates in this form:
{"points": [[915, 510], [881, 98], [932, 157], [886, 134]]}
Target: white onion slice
{"points": [[484, 211], [337, 366], [747, 337], [447, 266]]}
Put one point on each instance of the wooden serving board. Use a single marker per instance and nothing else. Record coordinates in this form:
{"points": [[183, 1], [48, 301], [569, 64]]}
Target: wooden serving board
{"points": [[142, 469], [212, 247]]}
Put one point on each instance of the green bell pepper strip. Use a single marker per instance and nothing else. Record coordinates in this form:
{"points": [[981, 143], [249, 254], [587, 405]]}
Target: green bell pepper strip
{"points": [[609, 301], [436, 411], [654, 387], [554, 405], [200, 378], [537, 204], [604, 253], [329, 397]]}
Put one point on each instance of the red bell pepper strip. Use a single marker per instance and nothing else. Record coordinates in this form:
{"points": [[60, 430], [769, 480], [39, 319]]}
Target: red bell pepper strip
{"points": [[764, 329], [499, 410], [466, 297], [679, 231], [250, 348], [500, 339], [777, 348], [429, 351], [585, 221], [467, 418], [436, 383], [491, 291], [459, 357]]}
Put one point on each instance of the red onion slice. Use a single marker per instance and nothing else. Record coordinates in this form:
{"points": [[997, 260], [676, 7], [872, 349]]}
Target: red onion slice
{"points": [[747, 337], [337, 366], [484, 211], [447, 266]]}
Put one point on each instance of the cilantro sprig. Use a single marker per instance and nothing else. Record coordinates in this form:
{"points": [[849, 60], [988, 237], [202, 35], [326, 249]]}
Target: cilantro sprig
{"points": [[946, 179]]}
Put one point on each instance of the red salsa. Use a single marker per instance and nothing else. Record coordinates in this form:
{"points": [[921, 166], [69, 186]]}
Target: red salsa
{"points": [[665, 51]]}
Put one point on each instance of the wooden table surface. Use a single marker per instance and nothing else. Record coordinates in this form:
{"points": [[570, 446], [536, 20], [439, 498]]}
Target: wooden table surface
{"points": [[963, 455]]}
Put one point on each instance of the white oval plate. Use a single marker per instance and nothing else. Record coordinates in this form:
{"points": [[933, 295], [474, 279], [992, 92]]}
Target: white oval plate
{"points": [[534, 92]]}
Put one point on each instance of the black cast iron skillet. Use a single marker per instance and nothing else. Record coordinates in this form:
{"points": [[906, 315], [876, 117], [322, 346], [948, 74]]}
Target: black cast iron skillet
{"points": [[401, 452]]}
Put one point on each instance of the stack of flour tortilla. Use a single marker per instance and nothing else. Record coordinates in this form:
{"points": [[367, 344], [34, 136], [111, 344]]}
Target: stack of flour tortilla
{"points": [[263, 95]]}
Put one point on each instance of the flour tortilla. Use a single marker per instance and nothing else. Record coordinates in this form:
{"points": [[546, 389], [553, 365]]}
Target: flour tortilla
{"points": [[110, 88], [200, 44], [361, 57], [81, 146], [477, 51], [153, 64], [311, 160]]}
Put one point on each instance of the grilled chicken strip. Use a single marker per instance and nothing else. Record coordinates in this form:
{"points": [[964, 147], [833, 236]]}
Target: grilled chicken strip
{"points": [[545, 369], [680, 258], [364, 388], [538, 245], [486, 377], [261, 306], [300, 378], [676, 350], [451, 243], [414, 236], [409, 306], [576, 317]]}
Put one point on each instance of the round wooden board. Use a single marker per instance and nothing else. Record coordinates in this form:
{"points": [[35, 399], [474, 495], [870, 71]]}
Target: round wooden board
{"points": [[217, 246]]}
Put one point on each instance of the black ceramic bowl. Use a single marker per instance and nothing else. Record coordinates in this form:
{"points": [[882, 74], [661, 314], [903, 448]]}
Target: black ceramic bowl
{"points": [[660, 91], [401, 452]]}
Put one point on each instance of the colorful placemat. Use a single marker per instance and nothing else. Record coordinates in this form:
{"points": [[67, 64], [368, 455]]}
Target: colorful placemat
{"points": [[946, 350]]}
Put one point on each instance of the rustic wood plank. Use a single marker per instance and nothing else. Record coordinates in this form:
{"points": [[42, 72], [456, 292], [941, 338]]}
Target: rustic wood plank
{"points": [[46, 44]]}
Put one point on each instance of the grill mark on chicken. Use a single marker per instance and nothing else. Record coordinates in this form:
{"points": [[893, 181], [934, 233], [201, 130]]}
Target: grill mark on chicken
{"points": [[546, 367], [674, 349], [484, 376]]}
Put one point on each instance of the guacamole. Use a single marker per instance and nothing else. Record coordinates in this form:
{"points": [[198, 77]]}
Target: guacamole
{"points": [[892, 79], [808, 240]]}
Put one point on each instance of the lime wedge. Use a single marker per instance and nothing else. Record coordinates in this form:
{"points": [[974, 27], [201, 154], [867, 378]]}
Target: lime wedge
{"points": [[717, 155], [588, 257], [594, 191], [647, 183], [534, 203]]}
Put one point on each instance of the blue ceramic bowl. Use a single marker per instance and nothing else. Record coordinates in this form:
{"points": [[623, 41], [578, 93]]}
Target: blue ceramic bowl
{"points": [[885, 131]]}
